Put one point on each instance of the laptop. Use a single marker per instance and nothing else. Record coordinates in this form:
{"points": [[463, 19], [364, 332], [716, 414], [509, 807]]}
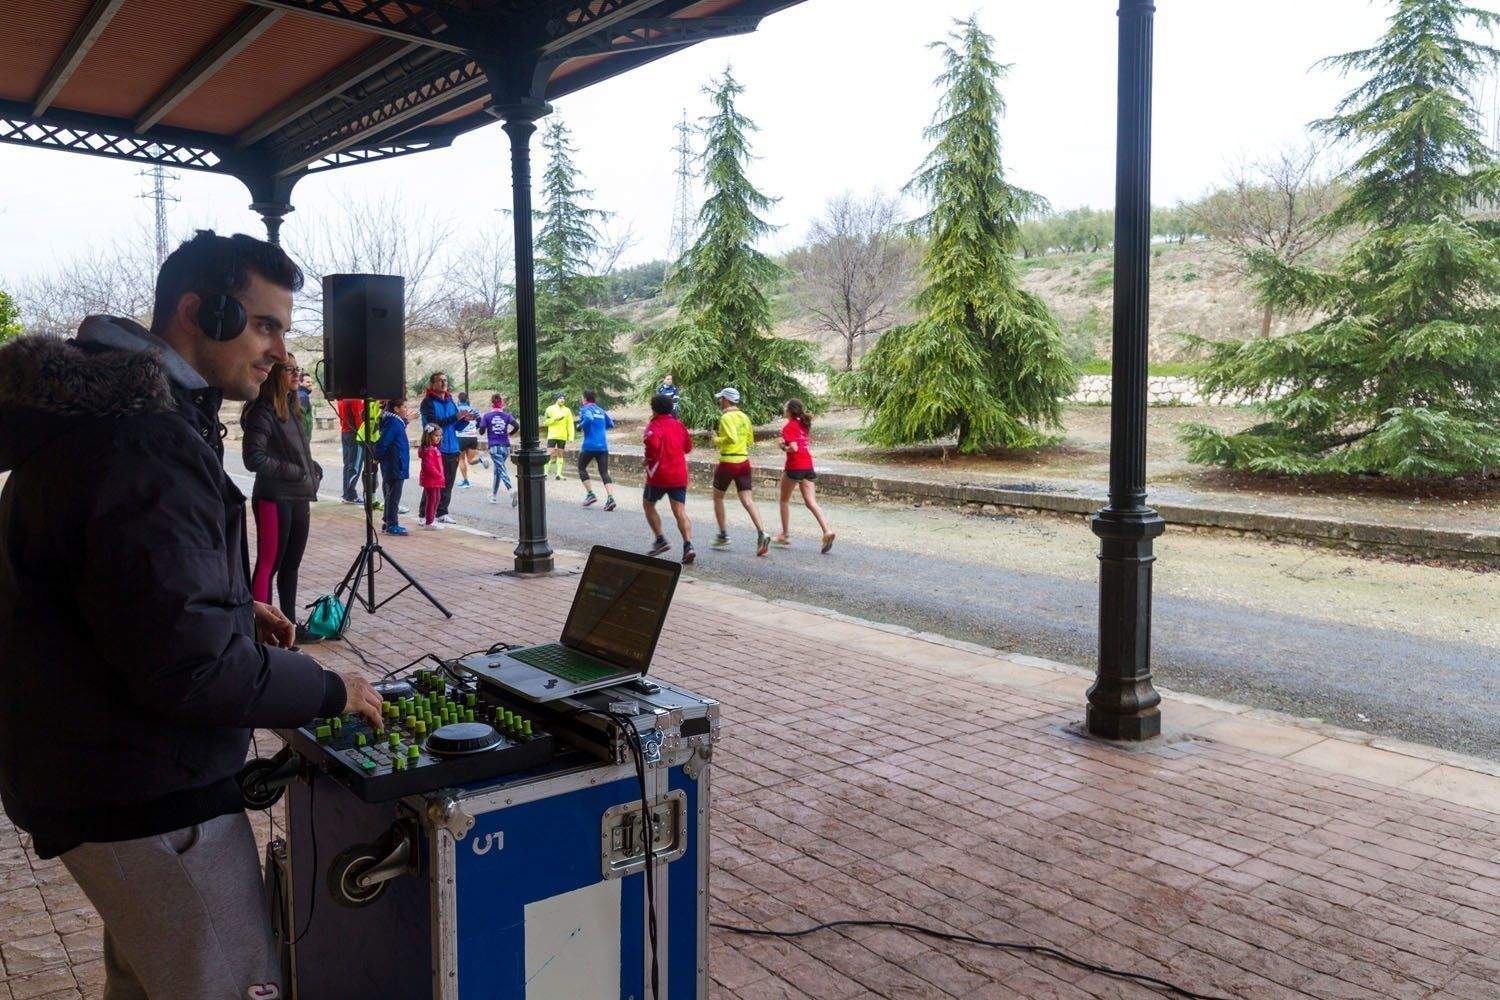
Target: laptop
{"points": [[611, 632]]}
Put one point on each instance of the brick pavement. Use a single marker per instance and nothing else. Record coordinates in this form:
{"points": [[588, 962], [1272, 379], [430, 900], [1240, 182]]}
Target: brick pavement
{"points": [[853, 784]]}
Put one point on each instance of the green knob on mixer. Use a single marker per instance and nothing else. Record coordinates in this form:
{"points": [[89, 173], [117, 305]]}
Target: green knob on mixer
{"points": [[471, 699], [421, 728], [399, 763], [413, 752], [526, 727], [337, 723], [324, 733], [359, 740], [468, 715], [394, 739]]}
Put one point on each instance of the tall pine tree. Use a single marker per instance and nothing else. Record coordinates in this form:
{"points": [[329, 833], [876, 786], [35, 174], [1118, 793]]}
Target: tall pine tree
{"points": [[575, 339], [1400, 373], [723, 336], [985, 360]]}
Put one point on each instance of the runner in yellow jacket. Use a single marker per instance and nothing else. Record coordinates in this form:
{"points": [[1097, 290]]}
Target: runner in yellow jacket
{"points": [[734, 438], [558, 421]]}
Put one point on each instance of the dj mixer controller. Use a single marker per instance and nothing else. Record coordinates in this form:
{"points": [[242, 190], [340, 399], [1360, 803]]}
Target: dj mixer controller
{"points": [[439, 732]]}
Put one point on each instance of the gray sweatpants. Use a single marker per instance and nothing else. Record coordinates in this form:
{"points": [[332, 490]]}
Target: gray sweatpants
{"points": [[184, 914]]}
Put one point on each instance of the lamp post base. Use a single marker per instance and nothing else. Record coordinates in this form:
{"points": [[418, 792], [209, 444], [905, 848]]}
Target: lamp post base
{"points": [[1123, 705], [533, 553]]}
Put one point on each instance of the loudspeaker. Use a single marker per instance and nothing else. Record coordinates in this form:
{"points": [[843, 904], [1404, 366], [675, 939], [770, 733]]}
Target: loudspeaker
{"points": [[364, 336]]}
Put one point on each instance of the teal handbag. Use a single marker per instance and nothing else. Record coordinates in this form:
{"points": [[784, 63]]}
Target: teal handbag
{"points": [[327, 618]]}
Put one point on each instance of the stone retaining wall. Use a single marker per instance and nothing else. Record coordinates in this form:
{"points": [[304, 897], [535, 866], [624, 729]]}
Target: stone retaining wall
{"points": [[1162, 390]]}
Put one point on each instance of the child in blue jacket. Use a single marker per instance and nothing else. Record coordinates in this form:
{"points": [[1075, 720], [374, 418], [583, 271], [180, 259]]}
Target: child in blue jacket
{"points": [[593, 422], [393, 452]]}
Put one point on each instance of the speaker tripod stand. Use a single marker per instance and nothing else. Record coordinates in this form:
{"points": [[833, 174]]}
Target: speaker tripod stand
{"points": [[372, 556]]}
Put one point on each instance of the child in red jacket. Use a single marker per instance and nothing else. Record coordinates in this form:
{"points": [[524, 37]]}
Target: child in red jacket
{"points": [[431, 475], [667, 444]]}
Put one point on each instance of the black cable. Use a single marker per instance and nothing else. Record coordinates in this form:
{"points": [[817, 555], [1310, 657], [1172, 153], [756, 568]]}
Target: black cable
{"points": [[1032, 949], [312, 833]]}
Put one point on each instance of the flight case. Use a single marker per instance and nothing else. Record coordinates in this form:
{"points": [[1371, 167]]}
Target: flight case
{"points": [[530, 886]]}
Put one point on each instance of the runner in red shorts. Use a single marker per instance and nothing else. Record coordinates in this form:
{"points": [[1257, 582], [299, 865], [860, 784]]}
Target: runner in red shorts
{"points": [[734, 439]]}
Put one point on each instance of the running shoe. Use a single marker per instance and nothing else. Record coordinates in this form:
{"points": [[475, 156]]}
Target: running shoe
{"points": [[558, 477], [447, 519], [658, 547], [688, 555], [513, 502], [762, 543], [306, 638], [403, 509], [781, 540], [430, 526], [395, 529], [590, 500], [609, 504], [828, 542], [721, 540], [495, 498], [464, 485], [349, 500]]}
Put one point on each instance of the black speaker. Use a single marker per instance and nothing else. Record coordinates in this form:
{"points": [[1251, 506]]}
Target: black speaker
{"points": [[364, 336]]}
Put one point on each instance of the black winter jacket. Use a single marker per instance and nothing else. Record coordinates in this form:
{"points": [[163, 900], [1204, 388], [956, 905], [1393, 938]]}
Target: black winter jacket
{"points": [[278, 454], [130, 676]]}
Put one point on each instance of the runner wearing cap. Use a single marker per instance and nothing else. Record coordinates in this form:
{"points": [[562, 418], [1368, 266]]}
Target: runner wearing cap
{"points": [[559, 421], [734, 439]]}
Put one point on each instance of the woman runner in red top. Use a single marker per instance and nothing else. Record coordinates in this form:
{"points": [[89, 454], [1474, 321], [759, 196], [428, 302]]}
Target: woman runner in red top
{"points": [[799, 472]]}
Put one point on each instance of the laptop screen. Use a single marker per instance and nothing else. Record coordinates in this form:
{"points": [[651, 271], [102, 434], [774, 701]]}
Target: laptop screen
{"points": [[620, 606]]}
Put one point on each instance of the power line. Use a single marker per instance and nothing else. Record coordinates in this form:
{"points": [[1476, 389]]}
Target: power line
{"points": [[160, 195], [684, 220]]}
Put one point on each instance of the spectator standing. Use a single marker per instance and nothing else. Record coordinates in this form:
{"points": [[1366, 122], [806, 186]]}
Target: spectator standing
{"points": [[667, 443], [286, 484], [594, 423], [304, 400], [351, 414], [558, 420], [799, 473], [439, 410], [499, 425], [668, 389], [432, 475], [393, 452], [366, 436], [734, 438]]}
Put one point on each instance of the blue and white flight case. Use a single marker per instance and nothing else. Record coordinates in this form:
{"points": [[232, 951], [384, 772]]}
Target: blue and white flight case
{"points": [[532, 886]]}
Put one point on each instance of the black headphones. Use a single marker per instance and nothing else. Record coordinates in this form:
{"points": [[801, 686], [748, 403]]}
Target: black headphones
{"points": [[221, 317]]}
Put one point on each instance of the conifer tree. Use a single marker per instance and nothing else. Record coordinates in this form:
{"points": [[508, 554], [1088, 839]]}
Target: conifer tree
{"points": [[575, 339], [985, 360], [1399, 374], [723, 336]]}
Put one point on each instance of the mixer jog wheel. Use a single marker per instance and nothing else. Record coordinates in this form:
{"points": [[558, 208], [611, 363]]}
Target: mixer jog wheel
{"points": [[358, 875]]}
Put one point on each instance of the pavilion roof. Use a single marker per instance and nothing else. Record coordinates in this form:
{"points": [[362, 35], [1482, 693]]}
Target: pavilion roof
{"points": [[270, 90]]}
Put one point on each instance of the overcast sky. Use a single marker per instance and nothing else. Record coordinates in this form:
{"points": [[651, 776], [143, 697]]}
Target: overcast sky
{"points": [[841, 90]]}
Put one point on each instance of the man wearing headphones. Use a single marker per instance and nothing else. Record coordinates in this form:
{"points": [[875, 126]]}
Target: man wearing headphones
{"points": [[133, 662]]}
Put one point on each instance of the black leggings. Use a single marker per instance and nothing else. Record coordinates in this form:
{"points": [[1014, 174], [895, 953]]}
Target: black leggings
{"points": [[599, 458], [280, 540]]}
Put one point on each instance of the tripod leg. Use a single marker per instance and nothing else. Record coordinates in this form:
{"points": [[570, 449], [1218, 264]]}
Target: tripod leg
{"points": [[390, 561]]}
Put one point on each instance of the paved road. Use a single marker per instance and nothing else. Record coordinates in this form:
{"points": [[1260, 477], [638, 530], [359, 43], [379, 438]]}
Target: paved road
{"points": [[1034, 591]]}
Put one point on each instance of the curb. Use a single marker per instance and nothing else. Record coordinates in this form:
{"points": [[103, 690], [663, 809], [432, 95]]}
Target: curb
{"points": [[1477, 547]]}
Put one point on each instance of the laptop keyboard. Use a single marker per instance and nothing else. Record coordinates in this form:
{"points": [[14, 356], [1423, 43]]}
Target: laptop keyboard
{"points": [[560, 661]]}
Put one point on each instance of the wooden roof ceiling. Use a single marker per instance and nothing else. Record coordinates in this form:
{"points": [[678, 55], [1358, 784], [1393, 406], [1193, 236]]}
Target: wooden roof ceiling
{"points": [[269, 90]]}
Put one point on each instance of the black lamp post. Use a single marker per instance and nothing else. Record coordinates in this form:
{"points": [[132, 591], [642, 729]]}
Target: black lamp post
{"points": [[533, 553], [1122, 704]]}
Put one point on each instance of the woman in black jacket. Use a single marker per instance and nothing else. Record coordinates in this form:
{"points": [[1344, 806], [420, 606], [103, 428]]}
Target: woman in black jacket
{"points": [[286, 484]]}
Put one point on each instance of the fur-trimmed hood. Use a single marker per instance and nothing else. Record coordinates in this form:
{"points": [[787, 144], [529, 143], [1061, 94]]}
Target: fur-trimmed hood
{"points": [[113, 369]]}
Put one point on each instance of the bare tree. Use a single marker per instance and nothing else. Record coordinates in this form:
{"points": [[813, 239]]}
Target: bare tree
{"points": [[114, 280], [464, 324], [1271, 207], [854, 269], [479, 280], [375, 236]]}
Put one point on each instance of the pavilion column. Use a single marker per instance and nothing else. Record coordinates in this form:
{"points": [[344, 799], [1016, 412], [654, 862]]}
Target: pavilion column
{"points": [[1122, 704], [533, 553], [272, 213]]}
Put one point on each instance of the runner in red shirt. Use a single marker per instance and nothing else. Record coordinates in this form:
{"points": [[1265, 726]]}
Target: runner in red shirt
{"points": [[799, 472], [667, 443]]}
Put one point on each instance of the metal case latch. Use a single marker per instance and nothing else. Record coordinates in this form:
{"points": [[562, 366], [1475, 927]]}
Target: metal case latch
{"points": [[622, 840]]}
